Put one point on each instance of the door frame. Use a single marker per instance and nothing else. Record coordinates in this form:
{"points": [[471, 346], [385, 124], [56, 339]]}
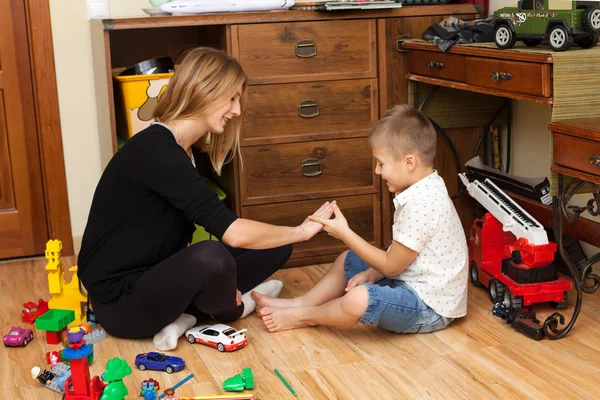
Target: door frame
{"points": [[43, 74]]}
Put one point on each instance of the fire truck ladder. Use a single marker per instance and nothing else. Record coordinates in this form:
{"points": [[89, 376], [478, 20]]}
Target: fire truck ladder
{"points": [[512, 217]]}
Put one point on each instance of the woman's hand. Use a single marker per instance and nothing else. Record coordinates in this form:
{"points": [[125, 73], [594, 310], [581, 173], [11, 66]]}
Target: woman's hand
{"points": [[310, 228], [335, 227], [369, 275]]}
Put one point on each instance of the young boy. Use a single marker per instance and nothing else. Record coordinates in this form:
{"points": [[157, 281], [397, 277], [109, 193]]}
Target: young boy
{"points": [[420, 284]]}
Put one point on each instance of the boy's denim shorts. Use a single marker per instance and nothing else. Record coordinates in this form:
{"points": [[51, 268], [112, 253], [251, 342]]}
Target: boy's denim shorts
{"points": [[393, 305]]}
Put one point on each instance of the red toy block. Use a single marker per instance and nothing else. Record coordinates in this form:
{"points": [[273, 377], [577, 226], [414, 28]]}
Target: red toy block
{"points": [[53, 337]]}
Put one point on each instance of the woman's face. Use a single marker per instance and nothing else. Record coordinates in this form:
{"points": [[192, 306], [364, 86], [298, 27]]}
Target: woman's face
{"points": [[217, 120]]}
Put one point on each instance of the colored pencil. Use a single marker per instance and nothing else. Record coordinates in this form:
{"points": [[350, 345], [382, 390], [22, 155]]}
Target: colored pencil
{"points": [[285, 382]]}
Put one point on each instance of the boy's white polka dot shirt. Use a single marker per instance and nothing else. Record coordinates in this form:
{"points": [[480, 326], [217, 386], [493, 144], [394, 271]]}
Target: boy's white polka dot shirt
{"points": [[427, 222]]}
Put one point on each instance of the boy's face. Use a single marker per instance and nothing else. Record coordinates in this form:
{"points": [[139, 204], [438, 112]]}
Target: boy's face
{"points": [[394, 172]]}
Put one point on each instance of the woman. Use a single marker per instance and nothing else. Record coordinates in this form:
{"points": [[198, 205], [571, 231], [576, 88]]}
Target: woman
{"points": [[141, 276]]}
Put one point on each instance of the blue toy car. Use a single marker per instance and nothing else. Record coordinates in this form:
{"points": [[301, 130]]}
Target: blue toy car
{"points": [[159, 362]]}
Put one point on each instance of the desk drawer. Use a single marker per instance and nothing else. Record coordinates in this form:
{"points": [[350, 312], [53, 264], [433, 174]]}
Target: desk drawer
{"points": [[362, 212], [309, 111], [577, 153], [308, 51], [307, 170], [514, 76], [437, 65]]}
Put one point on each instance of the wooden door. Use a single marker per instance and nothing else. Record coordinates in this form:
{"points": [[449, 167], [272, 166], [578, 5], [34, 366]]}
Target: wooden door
{"points": [[23, 227]]}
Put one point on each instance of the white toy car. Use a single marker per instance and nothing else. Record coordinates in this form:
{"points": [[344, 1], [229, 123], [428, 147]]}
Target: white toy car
{"points": [[220, 336]]}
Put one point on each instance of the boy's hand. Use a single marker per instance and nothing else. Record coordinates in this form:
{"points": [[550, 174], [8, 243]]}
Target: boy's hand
{"points": [[310, 228], [335, 227], [369, 275]]}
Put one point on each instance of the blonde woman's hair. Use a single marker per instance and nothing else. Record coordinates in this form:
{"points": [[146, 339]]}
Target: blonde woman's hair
{"points": [[206, 79], [405, 130]]}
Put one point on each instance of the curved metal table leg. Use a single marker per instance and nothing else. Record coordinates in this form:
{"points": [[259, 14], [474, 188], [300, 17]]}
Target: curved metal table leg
{"points": [[554, 325]]}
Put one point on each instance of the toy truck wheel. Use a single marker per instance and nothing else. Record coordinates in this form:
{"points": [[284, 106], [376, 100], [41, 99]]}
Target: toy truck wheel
{"points": [[220, 347], [514, 302], [496, 290], [142, 367], [587, 42], [591, 19], [504, 37], [558, 38], [475, 275], [531, 42], [191, 339]]}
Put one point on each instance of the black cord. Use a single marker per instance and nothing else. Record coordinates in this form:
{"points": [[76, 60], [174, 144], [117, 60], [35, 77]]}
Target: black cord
{"points": [[441, 130], [486, 130]]}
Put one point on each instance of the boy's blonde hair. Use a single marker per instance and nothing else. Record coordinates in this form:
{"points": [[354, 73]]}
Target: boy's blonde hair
{"points": [[205, 80], [405, 130]]}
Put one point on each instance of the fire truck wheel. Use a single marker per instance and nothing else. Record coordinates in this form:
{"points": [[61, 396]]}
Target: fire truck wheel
{"points": [[496, 290], [475, 275], [516, 257], [514, 302], [563, 304]]}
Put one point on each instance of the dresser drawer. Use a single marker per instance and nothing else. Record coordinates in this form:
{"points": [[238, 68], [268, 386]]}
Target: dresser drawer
{"points": [[514, 76], [362, 213], [309, 111], [308, 51], [307, 170], [577, 153], [437, 65]]}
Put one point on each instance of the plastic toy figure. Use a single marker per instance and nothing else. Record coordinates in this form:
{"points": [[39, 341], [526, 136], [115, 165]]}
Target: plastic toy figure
{"points": [[116, 370], [32, 310], [219, 336], [149, 389], [535, 20], [18, 336], [512, 260], [159, 362], [169, 393]]}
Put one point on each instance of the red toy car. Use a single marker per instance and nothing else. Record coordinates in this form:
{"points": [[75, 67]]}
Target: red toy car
{"points": [[31, 310], [18, 337]]}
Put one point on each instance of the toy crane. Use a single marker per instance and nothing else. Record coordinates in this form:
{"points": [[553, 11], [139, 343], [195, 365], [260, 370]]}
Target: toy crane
{"points": [[509, 252]]}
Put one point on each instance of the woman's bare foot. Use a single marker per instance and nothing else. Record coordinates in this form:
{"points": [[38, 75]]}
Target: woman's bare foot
{"points": [[267, 301], [283, 319]]}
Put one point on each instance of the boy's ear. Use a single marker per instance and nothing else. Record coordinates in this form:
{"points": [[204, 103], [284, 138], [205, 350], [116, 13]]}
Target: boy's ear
{"points": [[411, 162]]}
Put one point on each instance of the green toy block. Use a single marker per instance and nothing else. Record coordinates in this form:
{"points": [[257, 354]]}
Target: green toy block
{"points": [[239, 382], [54, 320]]}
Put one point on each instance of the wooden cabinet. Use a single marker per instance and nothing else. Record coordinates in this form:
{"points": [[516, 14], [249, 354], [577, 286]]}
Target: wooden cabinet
{"points": [[576, 148], [317, 83]]}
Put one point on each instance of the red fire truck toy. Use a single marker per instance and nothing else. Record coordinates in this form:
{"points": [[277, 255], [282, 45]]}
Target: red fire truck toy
{"points": [[509, 252], [31, 310]]}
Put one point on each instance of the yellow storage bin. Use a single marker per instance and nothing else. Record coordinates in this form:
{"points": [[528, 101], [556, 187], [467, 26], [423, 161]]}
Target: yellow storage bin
{"points": [[139, 95], [200, 234]]}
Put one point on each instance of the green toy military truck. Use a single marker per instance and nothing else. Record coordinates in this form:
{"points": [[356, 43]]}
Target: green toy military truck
{"points": [[560, 22]]}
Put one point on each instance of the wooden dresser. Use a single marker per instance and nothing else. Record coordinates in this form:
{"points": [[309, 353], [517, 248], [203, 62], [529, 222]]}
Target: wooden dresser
{"points": [[317, 82]]}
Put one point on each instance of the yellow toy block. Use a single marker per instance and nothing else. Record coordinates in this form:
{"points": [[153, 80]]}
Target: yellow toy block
{"points": [[66, 296]]}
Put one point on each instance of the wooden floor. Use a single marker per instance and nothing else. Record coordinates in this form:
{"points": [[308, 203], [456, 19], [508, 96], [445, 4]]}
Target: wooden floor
{"points": [[477, 357]]}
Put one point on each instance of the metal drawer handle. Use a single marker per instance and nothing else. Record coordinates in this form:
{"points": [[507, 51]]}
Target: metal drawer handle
{"points": [[311, 167], [308, 109], [306, 48], [399, 42], [435, 65], [595, 161], [501, 76]]}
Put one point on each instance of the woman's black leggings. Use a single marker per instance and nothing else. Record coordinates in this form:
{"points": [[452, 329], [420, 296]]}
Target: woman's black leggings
{"points": [[201, 280]]}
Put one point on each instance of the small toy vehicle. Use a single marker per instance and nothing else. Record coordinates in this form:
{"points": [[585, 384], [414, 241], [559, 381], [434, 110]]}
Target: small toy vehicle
{"points": [[32, 310], [220, 336], [559, 22], [159, 362], [18, 337]]}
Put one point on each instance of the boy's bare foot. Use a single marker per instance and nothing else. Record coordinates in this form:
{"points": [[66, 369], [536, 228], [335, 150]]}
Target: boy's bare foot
{"points": [[283, 319], [269, 288], [267, 301]]}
